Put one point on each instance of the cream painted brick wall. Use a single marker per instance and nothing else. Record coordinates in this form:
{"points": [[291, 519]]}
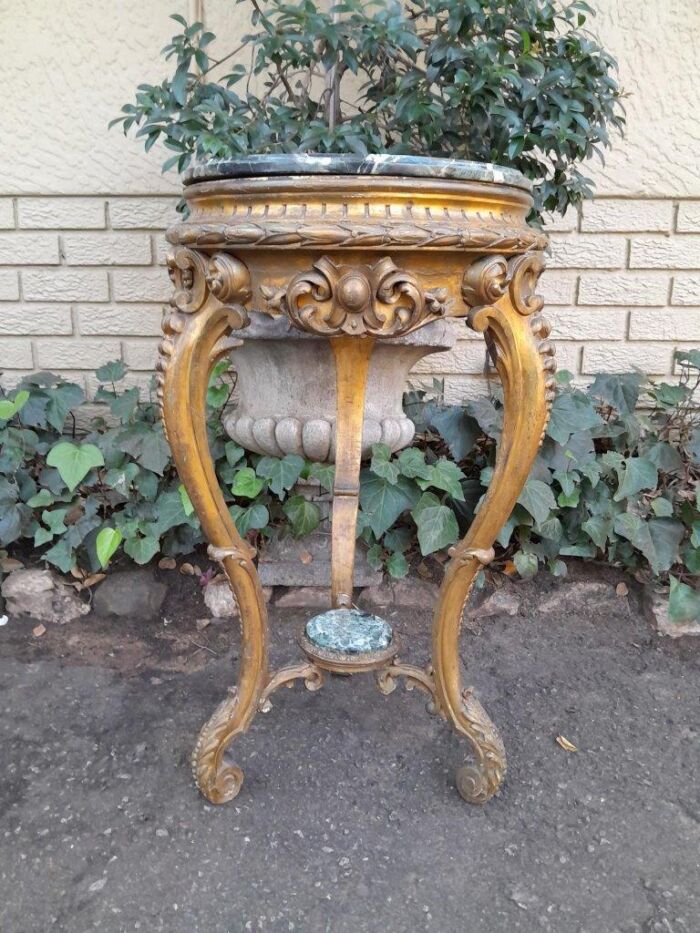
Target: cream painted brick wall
{"points": [[72, 298], [82, 215]]}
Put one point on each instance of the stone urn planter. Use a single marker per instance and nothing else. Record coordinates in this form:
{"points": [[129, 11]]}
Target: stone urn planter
{"points": [[327, 278], [287, 393]]}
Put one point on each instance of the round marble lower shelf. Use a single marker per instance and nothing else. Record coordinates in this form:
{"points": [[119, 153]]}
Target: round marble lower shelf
{"points": [[348, 639]]}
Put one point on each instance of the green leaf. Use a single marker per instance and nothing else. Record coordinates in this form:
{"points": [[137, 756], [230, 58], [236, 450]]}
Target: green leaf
{"points": [[665, 457], [661, 507], [571, 412], [444, 475], [9, 408], [599, 529], [74, 461], [538, 499], [146, 443], [684, 602], [247, 484], [111, 372], [382, 464], [249, 517], [324, 474], [458, 429], [233, 452], [666, 536], [280, 474], [106, 544], [412, 464], [142, 549], [304, 516], [187, 506], [397, 565], [63, 399], [637, 473], [374, 556], [436, 524], [526, 564], [61, 555], [382, 502], [43, 498]]}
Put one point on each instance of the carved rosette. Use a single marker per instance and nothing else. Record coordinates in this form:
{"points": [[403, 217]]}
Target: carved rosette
{"points": [[381, 300], [493, 278]]}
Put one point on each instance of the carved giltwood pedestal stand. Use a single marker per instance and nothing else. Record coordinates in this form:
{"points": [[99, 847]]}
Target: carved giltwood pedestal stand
{"points": [[357, 252]]}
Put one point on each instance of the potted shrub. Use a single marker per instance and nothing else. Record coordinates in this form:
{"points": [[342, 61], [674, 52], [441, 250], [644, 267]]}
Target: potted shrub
{"points": [[378, 96]]}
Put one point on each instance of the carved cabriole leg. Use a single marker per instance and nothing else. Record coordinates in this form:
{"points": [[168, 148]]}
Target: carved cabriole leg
{"points": [[352, 356], [207, 306], [504, 307]]}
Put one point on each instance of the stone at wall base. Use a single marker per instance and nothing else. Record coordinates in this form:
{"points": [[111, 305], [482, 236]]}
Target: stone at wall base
{"points": [[221, 602], [656, 610], [130, 594], [305, 597], [307, 562], [409, 592], [42, 595]]}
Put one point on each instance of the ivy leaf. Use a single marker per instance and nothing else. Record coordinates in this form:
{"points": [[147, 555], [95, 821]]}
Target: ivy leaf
{"points": [[9, 408], [43, 498], [63, 399], [374, 556], [61, 555], [249, 517], [526, 564], [666, 535], [538, 499], [233, 452], [187, 506], [444, 475], [111, 372], [142, 548], [74, 461], [635, 474], [305, 516], [324, 474], [458, 429], [106, 544], [382, 502], [436, 524], [146, 443], [662, 507], [397, 565], [684, 602], [599, 529], [280, 474], [412, 464], [382, 464], [571, 413], [247, 484]]}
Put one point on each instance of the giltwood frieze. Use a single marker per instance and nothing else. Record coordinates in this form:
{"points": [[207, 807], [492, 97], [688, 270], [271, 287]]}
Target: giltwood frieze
{"points": [[380, 299]]}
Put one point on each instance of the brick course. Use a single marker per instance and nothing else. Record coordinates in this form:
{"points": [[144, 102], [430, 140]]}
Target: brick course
{"points": [[82, 281]]}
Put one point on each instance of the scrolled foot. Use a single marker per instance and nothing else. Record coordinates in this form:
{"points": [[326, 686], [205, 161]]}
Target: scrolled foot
{"points": [[475, 784], [478, 782], [218, 779]]}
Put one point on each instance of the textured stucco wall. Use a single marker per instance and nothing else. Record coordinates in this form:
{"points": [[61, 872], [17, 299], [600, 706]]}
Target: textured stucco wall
{"points": [[82, 209]]}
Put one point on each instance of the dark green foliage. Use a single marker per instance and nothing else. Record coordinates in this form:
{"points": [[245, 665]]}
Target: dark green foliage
{"points": [[617, 479], [521, 83]]}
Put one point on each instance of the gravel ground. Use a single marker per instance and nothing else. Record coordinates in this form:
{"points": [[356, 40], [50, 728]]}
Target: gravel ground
{"points": [[348, 819]]}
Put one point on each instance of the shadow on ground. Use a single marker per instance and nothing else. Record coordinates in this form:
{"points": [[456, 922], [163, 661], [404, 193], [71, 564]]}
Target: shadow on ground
{"points": [[348, 819]]}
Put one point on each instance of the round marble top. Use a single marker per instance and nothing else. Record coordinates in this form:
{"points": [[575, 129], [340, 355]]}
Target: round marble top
{"points": [[252, 166]]}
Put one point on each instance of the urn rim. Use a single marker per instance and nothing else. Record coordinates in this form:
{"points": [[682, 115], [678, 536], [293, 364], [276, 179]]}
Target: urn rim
{"points": [[275, 164]]}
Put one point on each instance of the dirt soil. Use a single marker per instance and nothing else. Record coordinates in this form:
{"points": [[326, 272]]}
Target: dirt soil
{"points": [[348, 819]]}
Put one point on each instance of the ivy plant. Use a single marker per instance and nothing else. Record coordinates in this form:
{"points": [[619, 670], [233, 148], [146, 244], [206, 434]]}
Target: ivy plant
{"points": [[617, 480], [522, 83]]}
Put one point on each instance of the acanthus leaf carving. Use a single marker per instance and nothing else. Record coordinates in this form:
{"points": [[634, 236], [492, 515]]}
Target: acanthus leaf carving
{"points": [[382, 300]]}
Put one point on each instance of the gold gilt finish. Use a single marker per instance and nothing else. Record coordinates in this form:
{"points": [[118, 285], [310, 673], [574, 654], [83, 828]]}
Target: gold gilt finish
{"points": [[355, 259]]}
